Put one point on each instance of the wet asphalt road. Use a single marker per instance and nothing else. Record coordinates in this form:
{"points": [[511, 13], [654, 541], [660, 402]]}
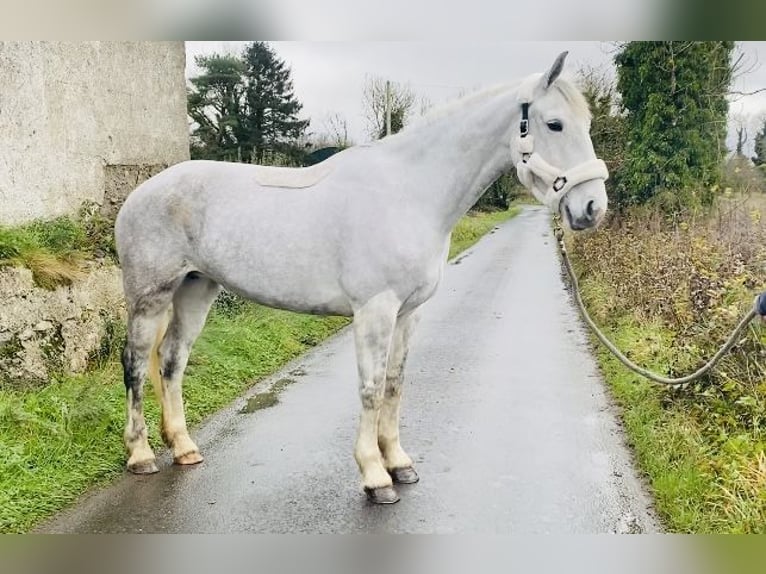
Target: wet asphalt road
{"points": [[504, 414]]}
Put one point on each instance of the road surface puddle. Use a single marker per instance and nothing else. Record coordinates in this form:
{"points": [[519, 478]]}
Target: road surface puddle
{"points": [[266, 399]]}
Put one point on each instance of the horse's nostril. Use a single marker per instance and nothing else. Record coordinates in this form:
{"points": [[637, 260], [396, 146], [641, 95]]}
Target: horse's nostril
{"points": [[589, 208]]}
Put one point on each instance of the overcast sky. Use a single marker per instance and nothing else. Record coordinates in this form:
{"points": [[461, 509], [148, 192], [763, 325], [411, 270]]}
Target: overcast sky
{"points": [[329, 76]]}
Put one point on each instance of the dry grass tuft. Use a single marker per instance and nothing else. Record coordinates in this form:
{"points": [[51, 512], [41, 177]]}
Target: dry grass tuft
{"points": [[51, 271]]}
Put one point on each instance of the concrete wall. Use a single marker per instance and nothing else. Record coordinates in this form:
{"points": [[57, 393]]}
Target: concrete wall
{"points": [[83, 119]]}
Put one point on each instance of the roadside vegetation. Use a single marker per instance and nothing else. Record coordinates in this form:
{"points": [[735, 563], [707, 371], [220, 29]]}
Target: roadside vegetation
{"points": [[58, 251], [669, 292], [59, 440], [476, 224], [671, 272]]}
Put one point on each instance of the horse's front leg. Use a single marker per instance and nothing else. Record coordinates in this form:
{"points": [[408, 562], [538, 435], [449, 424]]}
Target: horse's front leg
{"points": [[373, 330], [397, 462]]}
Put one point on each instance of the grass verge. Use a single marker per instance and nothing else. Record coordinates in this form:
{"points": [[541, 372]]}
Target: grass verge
{"points": [[702, 482], [475, 225], [668, 292], [57, 441]]}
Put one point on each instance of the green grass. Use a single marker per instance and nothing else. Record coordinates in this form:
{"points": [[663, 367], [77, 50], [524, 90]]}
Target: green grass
{"points": [[56, 250], [702, 482], [58, 441], [474, 225]]}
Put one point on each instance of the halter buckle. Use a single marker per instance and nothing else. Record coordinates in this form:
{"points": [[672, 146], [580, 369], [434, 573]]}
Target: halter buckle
{"points": [[524, 127], [559, 183]]}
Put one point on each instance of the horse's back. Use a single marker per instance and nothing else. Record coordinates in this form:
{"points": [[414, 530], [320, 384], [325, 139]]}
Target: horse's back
{"points": [[269, 244]]}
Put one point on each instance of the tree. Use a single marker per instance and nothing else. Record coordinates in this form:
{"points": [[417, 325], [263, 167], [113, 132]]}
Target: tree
{"points": [[374, 101], [215, 105], [759, 158], [499, 195], [741, 140], [674, 94], [244, 109], [270, 125]]}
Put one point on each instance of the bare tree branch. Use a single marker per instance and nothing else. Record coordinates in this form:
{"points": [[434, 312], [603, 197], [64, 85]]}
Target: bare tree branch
{"points": [[337, 129], [752, 93], [374, 101]]}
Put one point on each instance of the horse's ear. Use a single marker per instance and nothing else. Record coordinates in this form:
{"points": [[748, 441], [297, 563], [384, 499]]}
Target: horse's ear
{"points": [[550, 76]]}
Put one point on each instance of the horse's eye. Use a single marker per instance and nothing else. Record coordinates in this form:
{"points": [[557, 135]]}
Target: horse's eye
{"points": [[555, 126]]}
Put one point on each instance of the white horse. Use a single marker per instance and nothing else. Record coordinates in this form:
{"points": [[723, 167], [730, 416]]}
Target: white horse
{"points": [[363, 234]]}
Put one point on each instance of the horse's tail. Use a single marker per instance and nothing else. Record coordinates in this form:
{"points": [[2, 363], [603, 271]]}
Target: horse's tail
{"points": [[154, 356]]}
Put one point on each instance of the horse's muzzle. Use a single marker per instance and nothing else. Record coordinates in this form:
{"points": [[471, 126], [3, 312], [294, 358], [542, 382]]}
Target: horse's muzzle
{"points": [[591, 217]]}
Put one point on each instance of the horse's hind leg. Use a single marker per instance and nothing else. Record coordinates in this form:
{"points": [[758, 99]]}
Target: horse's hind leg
{"points": [[373, 331], [397, 462], [146, 317], [191, 303]]}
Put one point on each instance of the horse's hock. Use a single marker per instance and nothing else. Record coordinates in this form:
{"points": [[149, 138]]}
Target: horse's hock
{"points": [[82, 122]]}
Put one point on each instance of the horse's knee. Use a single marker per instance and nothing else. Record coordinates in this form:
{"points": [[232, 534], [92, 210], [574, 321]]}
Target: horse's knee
{"points": [[372, 393]]}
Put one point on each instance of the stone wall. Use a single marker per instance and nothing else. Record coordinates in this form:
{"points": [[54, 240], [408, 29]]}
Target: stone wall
{"points": [[75, 117], [79, 121], [45, 331]]}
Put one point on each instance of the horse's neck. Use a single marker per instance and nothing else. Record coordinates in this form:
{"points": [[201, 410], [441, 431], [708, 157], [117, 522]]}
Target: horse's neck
{"points": [[461, 153]]}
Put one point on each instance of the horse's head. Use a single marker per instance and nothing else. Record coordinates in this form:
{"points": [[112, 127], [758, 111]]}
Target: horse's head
{"points": [[553, 150]]}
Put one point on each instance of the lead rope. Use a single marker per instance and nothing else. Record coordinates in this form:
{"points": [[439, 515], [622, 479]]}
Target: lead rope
{"points": [[559, 233]]}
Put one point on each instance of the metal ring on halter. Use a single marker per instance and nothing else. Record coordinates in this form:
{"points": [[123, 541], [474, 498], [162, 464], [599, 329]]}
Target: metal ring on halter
{"points": [[559, 183]]}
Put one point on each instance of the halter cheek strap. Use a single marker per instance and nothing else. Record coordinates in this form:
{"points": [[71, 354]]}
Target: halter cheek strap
{"points": [[557, 182]]}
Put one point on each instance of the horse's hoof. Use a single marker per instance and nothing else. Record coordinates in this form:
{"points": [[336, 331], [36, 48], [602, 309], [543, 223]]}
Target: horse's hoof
{"points": [[193, 457], [382, 495], [404, 475], [143, 467]]}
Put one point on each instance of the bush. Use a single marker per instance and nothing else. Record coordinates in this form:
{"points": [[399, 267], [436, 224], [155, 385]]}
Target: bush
{"points": [[500, 194], [695, 273], [670, 289]]}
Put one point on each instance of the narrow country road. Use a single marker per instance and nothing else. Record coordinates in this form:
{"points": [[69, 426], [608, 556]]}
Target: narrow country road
{"points": [[504, 413]]}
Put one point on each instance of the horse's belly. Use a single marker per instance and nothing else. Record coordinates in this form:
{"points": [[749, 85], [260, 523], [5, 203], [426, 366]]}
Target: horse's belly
{"points": [[310, 303], [300, 292]]}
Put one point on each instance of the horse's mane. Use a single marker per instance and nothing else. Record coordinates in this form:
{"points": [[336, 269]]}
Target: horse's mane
{"points": [[454, 106], [566, 87]]}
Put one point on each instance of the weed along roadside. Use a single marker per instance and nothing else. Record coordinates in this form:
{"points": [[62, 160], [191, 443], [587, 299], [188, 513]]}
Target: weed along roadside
{"points": [[63, 435], [669, 293]]}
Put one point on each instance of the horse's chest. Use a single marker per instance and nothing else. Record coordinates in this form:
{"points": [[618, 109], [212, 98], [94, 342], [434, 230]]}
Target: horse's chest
{"points": [[423, 285]]}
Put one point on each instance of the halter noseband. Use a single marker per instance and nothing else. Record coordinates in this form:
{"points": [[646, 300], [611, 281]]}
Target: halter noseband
{"points": [[558, 182]]}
